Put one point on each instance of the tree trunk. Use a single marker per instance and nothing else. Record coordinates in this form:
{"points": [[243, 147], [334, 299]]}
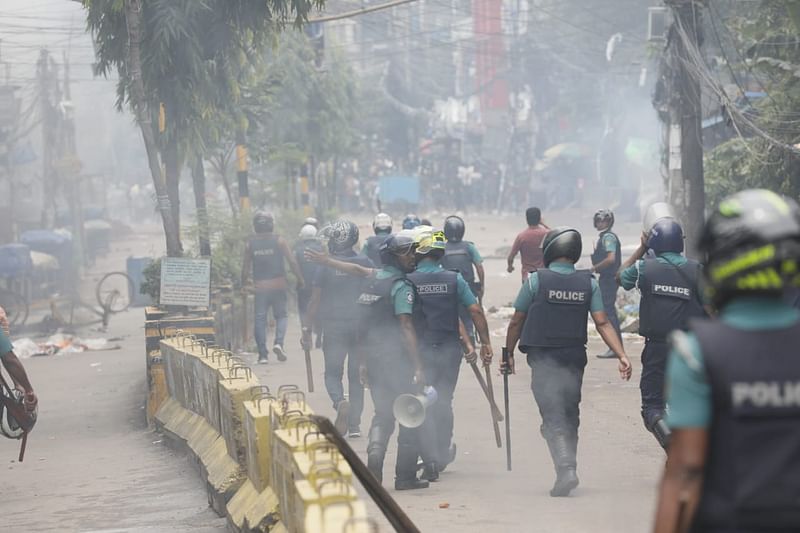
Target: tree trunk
{"points": [[221, 166], [172, 171], [199, 185], [133, 10]]}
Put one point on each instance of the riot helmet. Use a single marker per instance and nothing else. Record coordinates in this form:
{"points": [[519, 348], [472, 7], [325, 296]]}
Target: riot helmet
{"points": [[343, 236], [751, 244], [562, 241], [411, 221], [666, 235], [454, 228], [398, 251], [263, 222], [311, 221], [382, 224], [308, 233], [430, 243], [604, 216]]}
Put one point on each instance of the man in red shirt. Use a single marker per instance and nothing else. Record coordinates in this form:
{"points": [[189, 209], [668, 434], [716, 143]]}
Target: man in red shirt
{"points": [[529, 244]]}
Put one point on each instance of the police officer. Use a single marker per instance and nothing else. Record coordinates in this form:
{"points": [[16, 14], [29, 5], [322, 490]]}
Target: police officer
{"points": [[550, 324], [606, 260], [462, 256], [732, 381], [333, 301], [307, 240], [390, 316], [382, 226], [671, 295], [266, 253], [443, 294], [411, 221]]}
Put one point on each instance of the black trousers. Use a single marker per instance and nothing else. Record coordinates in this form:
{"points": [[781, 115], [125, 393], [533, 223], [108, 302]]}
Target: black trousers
{"points": [[340, 343], [388, 378], [442, 366], [557, 377], [651, 385]]}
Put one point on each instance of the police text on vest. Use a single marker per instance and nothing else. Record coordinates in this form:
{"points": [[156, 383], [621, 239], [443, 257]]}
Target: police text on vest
{"points": [[766, 394]]}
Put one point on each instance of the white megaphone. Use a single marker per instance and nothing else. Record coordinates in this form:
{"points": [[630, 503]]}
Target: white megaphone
{"points": [[409, 409]]}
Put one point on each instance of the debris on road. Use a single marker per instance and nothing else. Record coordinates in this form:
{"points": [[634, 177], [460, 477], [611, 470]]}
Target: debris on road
{"points": [[60, 344]]}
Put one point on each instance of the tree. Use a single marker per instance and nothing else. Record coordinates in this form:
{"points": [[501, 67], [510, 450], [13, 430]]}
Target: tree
{"points": [[189, 56]]}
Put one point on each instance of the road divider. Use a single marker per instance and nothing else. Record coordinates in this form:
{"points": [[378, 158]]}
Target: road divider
{"points": [[265, 465]]}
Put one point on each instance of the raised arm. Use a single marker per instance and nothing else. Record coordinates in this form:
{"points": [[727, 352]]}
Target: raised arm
{"points": [[342, 266]]}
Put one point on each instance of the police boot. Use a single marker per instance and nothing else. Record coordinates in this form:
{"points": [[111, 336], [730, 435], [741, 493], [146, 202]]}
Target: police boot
{"points": [[376, 452], [661, 432], [406, 469], [561, 450]]}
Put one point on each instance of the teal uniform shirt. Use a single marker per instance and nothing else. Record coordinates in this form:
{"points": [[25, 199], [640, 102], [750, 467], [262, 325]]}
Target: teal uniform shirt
{"points": [[610, 243], [531, 287], [465, 296], [402, 291], [5, 344], [688, 391], [629, 278], [474, 254]]}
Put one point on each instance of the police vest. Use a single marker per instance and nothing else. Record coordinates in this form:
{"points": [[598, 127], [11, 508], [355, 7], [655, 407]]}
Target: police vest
{"points": [[752, 471], [339, 291], [267, 257], [670, 297], [457, 257], [438, 295], [373, 248], [378, 325], [559, 312], [600, 253], [308, 268]]}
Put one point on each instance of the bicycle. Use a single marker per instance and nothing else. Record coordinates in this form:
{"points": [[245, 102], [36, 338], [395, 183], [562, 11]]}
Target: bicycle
{"points": [[15, 305], [113, 293]]}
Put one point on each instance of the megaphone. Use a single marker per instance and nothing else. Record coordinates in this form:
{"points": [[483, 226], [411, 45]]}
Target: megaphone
{"points": [[409, 409]]}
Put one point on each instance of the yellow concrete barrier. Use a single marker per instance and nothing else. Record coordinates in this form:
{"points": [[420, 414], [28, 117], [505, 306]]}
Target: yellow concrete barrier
{"points": [[266, 467]]}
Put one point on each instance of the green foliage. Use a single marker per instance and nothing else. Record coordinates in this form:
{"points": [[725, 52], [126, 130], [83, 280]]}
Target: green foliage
{"points": [[151, 280], [768, 36]]}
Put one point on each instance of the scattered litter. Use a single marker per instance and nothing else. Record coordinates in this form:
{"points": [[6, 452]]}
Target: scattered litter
{"points": [[502, 312], [60, 344], [157, 441], [444, 505], [93, 365]]}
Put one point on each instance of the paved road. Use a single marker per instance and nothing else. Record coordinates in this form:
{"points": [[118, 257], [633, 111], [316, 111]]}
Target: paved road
{"points": [[92, 464]]}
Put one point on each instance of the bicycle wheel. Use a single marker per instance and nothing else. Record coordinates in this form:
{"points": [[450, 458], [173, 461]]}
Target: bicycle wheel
{"points": [[114, 292], [16, 307]]}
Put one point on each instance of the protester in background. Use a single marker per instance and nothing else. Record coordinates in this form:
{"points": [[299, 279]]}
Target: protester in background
{"points": [[529, 244], [264, 259]]}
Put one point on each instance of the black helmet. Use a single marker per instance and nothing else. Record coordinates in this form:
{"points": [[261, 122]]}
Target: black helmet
{"points": [[666, 235], [604, 215], [752, 245], [404, 243], [411, 221], [343, 236], [562, 241], [454, 228], [263, 222]]}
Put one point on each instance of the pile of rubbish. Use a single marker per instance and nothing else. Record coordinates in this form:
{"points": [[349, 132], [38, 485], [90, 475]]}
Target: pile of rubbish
{"points": [[61, 344]]}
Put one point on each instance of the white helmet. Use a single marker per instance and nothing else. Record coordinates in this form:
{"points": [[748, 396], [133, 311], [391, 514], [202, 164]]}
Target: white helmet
{"points": [[382, 223], [308, 233]]}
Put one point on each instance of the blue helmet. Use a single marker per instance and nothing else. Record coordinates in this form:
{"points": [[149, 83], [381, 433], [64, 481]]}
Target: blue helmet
{"points": [[666, 235], [411, 221]]}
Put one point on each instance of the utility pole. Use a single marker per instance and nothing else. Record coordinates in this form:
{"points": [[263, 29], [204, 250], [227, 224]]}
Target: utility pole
{"points": [[686, 186]]}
